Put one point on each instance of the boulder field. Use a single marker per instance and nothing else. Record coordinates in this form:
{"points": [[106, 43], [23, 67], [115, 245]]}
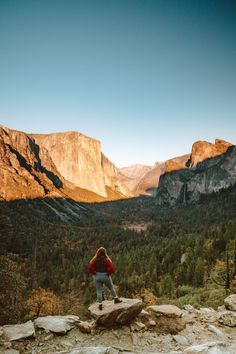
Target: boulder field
{"points": [[127, 328]]}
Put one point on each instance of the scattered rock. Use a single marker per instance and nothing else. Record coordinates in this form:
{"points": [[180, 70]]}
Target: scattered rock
{"points": [[207, 314], [116, 314], [215, 350], [168, 319], [7, 345], [181, 339], [57, 324], [137, 326], [230, 302], [202, 348], [221, 308], [85, 327], [171, 311], [19, 331], [10, 351], [228, 318], [190, 308], [50, 336], [143, 315], [94, 350], [217, 331], [152, 323]]}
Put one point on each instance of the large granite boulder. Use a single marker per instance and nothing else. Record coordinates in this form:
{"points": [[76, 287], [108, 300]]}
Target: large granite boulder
{"points": [[116, 314], [168, 318], [19, 331], [57, 324], [230, 302], [228, 318], [165, 310]]}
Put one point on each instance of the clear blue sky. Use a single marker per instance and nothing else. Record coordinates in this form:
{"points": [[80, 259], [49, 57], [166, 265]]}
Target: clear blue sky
{"points": [[147, 78]]}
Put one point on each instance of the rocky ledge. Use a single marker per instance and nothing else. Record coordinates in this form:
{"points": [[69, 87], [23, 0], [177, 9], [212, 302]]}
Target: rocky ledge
{"points": [[204, 330]]}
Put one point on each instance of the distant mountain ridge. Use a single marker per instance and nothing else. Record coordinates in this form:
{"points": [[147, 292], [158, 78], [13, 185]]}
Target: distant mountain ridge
{"points": [[55, 165], [72, 165], [211, 167]]}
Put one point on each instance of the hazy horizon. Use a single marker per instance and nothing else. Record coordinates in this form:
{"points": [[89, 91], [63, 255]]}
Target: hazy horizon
{"points": [[146, 78]]}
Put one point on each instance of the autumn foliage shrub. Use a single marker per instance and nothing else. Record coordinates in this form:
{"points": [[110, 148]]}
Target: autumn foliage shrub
{"points": [[43, 302]]}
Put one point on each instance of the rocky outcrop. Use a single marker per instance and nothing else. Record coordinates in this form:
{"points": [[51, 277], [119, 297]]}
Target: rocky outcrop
{"points": [[19, 331], [116, 314], [208, 176], [230, 302], [202, 333], [170, 311], [203, 150], [177, 163], [228, 318], [57, 324], [168, 318]]}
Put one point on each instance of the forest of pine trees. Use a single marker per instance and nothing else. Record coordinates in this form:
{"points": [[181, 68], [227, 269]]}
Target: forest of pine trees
{"points": [[185, 255]]}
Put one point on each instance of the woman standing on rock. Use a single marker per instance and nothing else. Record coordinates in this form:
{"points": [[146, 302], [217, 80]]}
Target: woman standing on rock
{"points": [[101, 267]]}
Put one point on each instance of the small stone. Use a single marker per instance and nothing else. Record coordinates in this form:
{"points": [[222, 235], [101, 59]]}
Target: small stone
{"points": [[85, 327], [215, 350], [189, 308], [221, 308], [181, 339], [216, 330], [7, 345], [144, 315], [205, 347], [152, 323], [50, 336], [137, 326]]}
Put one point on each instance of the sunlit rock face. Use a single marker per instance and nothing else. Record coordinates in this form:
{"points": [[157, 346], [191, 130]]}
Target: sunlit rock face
{"points": [[208, 174], [202, 150], [63, 165], [177, 163], [22, 174], [114, 179], [77, 158]]}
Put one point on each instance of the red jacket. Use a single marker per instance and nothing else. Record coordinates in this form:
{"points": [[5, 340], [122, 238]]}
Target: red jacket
{"points": [[108, 268]]}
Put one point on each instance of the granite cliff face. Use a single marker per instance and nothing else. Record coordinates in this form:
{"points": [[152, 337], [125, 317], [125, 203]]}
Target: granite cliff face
{"points": [[210, 170], [114, 179], [63, 165], [77, 158], [22, 174]]}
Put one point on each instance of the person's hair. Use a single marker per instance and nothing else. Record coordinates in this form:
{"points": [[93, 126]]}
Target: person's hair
{"points": [[100, 253], [101, 256]]}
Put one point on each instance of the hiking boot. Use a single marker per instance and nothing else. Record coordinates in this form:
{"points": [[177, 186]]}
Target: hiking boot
{"points": [[100, 306], [117, 300]]}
